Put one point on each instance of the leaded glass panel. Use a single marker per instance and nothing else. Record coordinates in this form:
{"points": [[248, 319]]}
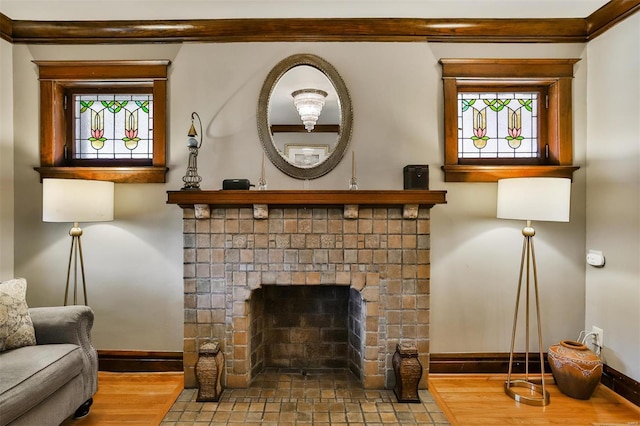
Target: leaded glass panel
{"points": [[497, 125], [113, 126]]}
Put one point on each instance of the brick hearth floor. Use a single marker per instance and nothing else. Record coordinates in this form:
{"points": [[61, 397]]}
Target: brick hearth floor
{"points": [[287, 397]]}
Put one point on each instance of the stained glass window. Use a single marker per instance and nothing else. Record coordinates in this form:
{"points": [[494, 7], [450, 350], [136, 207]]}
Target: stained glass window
{"points": [[497, 125], [506, 118], [113, 126]]}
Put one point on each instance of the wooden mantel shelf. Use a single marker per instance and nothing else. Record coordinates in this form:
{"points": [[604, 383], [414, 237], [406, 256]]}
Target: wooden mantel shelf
{"points": [[202, 201], [235, 198]]}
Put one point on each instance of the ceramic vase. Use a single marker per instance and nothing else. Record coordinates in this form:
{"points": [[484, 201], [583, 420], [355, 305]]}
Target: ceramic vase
{"points": [[576, 369]]}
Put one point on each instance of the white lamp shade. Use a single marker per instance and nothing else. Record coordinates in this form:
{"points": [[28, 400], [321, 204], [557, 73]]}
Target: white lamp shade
{"points": [[75, 200], [536, 199]]}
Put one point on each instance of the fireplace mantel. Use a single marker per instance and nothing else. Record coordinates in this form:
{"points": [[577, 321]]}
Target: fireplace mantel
{"points": [[238, 198], [202, 201]]}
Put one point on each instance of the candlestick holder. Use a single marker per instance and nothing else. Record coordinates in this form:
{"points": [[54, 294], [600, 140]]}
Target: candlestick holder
{"points": [[353, 184], [262, 184]]}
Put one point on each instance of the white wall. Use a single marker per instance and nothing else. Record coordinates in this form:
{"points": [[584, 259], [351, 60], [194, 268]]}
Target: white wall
{"points": [[476, 257], [6, 161], [613, 193], [134, 264]]}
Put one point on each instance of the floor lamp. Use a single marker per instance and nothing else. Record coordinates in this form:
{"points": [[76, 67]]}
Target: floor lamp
{"points": [[75, 200], [529, 199]]}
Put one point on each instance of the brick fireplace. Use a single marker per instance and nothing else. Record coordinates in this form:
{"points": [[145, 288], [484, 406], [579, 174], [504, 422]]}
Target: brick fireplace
{"points": [[306, 279]]}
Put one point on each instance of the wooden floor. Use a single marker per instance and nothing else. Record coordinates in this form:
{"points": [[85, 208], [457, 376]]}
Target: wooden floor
{"points": [[132, 399], [468, 400], [471, 400]]}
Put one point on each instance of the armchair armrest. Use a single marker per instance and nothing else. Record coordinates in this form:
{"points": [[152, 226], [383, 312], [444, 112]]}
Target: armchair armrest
{"points": [[62, 324], [68, 324]]}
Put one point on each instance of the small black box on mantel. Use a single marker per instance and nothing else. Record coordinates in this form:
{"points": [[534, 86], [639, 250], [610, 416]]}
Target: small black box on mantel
{"points": [[416, 176], [236, 184]]}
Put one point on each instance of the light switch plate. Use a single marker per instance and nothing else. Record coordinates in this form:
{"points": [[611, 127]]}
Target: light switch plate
{"points": [[595, 258]]}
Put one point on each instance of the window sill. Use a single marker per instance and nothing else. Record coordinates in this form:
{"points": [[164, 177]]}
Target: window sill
{"points": [[149, 174], [466, 173]]}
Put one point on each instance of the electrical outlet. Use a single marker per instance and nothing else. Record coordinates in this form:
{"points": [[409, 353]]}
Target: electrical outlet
{"points": [[598, 336]]}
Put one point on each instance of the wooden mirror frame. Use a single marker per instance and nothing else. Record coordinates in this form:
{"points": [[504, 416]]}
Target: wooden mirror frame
{"points": [[346, 116]]}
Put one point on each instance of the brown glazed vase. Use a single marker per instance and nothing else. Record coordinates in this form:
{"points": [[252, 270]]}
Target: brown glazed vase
{"points": [[576, 369]]}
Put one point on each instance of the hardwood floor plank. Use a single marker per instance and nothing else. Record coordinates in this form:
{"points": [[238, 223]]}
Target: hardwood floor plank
{"points": [[479, 400], [132, 399]]}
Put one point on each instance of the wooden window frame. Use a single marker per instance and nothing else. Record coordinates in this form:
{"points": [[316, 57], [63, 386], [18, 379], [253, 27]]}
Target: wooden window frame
{"points": [[555, 75], [58, 78]]}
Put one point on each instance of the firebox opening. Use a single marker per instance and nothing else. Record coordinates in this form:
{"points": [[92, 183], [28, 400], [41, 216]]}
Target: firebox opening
{"points": [[306, 328]]}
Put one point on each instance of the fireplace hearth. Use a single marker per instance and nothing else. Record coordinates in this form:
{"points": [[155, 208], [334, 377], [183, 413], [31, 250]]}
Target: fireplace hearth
{"points": [[287, 279]]}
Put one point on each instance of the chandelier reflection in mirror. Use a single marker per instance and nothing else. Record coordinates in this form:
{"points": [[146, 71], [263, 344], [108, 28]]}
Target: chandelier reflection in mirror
{"points": [[309, 103], [191, 179]]}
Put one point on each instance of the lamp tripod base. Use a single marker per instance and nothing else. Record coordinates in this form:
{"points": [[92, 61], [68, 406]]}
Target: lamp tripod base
{"points": [[538, 395]]}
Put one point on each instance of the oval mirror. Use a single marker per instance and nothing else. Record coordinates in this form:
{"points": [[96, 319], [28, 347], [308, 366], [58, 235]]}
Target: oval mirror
{"points": [[304, 116]]}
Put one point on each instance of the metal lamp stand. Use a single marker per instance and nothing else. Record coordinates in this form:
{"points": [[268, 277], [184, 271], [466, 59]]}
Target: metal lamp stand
{"points": [[74, 253], [537, 394]]}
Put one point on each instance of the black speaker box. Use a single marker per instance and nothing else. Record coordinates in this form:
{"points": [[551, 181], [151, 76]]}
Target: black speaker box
{"points": [[416, 177], [236, 184]]}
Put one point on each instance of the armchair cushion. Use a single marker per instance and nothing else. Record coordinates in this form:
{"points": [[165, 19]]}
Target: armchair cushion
{"points": [[16, 327], [25, 385]]}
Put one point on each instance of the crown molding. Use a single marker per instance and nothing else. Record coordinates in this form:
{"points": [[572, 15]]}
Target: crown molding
{"points": [[560, 30], [6, 28], [609, 15], [301, 29]]}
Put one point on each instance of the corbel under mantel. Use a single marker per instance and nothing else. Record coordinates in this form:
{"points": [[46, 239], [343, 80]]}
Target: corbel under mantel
{"points": [[259, 201]]}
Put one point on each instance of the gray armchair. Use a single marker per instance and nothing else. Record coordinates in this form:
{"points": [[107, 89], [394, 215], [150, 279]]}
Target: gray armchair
{"points": [[55, 379]]}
